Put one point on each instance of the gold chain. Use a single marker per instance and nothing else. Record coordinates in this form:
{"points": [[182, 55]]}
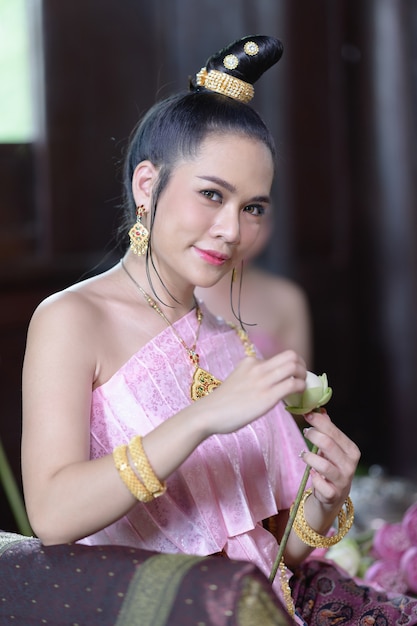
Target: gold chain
{"points": [[191, 351], [203, 382]]}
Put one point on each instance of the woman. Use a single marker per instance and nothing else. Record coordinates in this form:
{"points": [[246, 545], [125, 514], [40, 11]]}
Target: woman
{"points": [[147, 422]]}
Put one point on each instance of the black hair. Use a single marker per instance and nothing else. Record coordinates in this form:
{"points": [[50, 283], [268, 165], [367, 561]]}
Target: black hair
{"points": [[174, 128], [252, 60]]}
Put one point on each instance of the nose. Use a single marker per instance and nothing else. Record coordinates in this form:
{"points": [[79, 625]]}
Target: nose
{"points": [[227, 224]]}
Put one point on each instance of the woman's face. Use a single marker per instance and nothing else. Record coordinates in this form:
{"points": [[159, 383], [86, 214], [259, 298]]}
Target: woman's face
{"points": [[210, 212]]}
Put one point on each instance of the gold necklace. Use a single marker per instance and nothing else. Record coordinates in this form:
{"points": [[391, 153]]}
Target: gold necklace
{"points": [[203, 382]]}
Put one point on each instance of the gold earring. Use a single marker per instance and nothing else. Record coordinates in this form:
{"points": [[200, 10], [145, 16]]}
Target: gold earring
{"points": [[139, 234]]}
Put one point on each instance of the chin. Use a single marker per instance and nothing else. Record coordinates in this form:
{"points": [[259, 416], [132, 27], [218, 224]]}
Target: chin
{"points": [[206, 284], [210, 281]]}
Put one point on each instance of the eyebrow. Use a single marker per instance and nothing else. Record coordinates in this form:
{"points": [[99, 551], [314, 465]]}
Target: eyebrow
{"points": [[231, 188]]}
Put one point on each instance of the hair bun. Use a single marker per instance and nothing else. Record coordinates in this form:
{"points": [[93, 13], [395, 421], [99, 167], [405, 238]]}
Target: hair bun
{"points": [[247, 58], [233, 70]]}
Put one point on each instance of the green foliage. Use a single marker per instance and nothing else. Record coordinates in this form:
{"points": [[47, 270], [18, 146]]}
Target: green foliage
{"points": [[13, 494]]}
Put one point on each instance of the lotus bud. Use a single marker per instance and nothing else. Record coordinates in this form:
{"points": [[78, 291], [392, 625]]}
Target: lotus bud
{"points": [[316, 394]]}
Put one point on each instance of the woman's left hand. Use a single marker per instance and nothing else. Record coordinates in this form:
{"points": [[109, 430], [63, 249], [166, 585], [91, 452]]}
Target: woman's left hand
{"points": [[334, 466]]}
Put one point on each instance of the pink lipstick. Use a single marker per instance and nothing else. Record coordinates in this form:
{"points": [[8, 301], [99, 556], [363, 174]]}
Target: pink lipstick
{"points": [[211, 256]]}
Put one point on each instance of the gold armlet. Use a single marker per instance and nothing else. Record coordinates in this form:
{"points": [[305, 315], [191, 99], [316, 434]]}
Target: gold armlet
{"points": [[314, 539], [144, 468], [132, 482]]}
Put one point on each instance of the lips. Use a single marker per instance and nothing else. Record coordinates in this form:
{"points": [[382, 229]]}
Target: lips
{"points": [[212, 256]]}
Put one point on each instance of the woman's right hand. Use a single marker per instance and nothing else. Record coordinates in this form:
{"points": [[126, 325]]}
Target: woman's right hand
{"points": [[253, 388]]}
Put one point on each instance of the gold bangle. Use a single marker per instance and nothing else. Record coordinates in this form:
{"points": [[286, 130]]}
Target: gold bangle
{"points": [[314, 539], [144, 468], [132, 482]]}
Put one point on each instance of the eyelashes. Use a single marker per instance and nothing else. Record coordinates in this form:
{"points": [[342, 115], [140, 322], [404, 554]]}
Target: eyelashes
{"points": [[253, 209], [211, 194]]}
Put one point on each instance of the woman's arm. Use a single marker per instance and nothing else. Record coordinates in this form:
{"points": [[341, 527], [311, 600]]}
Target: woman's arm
{"points": [[69, 496]]}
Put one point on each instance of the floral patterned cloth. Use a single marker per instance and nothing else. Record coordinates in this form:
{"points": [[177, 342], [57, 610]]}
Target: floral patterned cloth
{"points": [[219, 496], [324, 595]]}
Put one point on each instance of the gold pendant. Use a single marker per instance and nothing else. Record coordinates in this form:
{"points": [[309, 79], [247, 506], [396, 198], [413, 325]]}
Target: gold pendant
{"points": [[203, 384]]}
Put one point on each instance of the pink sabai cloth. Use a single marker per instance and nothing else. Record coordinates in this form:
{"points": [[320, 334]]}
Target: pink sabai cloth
{"points": [[219, 496]]}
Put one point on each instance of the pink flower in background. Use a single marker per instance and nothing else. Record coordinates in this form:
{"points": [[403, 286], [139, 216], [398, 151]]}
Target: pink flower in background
{"points": [[387, 574], [410, 523], [408, 568], [390, 542], [391, 558]]}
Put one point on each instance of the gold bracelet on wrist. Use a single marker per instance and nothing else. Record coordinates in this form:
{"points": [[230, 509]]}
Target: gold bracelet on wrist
{"points": [[314, 539], [132, 482], [144, 468]]}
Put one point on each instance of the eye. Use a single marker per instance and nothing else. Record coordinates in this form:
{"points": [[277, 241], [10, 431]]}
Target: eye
{"points": [[255, 209], [212, 195]]}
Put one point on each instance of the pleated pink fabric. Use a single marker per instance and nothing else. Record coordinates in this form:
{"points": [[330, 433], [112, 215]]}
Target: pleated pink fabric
{"points": [[218, 498]]}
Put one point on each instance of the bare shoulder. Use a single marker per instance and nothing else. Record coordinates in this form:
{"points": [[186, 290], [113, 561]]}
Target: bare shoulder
{"points": [[281, 292], [96, 323], [78, 306], [77, 322], [285, 311]]}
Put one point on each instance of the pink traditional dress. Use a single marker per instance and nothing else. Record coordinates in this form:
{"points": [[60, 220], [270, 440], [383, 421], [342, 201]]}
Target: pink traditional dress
{"points": [[219, 496]]}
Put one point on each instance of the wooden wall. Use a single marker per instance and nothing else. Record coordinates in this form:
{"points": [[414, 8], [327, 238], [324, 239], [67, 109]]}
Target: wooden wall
{"points": [[340, 106]]}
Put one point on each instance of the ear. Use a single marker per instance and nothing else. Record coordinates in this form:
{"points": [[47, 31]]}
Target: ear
{"points": [[143, 180]]}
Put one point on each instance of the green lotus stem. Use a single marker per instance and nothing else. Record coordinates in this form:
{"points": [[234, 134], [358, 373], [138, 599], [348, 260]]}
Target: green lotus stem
{"points": [[291, 519], [13, 495]]}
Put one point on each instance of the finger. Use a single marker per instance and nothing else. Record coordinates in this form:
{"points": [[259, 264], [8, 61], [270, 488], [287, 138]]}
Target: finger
{"points": [[286, 355], [331, 462], [262, 374], [321, 421], [323, 424], [288, 358], [289, 371], [321, 465], [324, 490]]}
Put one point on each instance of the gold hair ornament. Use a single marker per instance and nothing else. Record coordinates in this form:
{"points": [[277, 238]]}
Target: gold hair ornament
{"points": [[225, 84], [251, 48], [231, 62], [314, 539]]}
